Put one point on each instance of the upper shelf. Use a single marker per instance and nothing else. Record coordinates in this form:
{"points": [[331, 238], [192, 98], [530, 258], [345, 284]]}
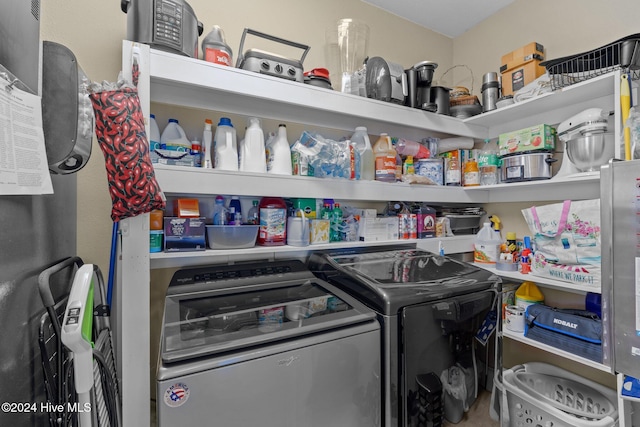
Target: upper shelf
{"points": [[190, 82], [550, 107], [195, 83], [198, 182]]}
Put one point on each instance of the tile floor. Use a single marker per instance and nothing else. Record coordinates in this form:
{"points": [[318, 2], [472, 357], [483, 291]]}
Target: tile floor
{"points": [[478, 414]]}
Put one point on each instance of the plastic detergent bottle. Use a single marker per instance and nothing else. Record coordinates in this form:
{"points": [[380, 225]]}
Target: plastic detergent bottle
{"points": [[385, 159], [335, 222], [174, 138], [278, 153], [196, 152], [408, 167], [219, 211], [360, 140], [273, 222], [487, 245], [207, 145], [154, 133], [215, 49], [253, 214], [237, 210], [252, 158], [325, 212], [225, 146]]}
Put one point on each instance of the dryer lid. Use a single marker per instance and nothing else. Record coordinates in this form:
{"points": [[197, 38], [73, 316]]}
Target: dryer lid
{"points": [[393, 278]]}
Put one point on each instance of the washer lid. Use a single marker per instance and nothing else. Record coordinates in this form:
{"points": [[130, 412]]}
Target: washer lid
{"points": [[226, 308], [389, 279]]}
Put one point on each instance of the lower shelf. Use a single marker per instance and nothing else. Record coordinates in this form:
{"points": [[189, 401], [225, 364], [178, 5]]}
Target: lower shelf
{"points": [[519, 336], [550, 283], [453, 244]]}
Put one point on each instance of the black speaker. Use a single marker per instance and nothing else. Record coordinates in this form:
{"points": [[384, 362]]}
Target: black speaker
{"points": [[67, 114]]}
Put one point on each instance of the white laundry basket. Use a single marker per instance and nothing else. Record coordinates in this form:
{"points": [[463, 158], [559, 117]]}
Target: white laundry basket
{"points": [[539, 394]]}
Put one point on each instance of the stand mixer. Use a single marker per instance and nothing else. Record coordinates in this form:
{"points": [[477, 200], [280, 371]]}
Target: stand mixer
{"points": [[588, 145]]}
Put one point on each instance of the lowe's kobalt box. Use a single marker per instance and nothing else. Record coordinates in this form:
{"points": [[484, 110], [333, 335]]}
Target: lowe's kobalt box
{"points": [[521, 67]]}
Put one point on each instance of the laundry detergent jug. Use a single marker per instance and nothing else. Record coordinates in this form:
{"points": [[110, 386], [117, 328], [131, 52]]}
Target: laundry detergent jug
{"points": [[252, 156], [225, 146], [173, 137]]}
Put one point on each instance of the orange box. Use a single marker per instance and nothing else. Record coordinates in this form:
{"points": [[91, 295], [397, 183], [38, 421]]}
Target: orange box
{"points": [[155, 220], [186, 208], [521, 66]]}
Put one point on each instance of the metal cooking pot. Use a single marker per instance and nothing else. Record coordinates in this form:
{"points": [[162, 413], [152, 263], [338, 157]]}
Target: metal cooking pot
{"points": [[527, 167]]}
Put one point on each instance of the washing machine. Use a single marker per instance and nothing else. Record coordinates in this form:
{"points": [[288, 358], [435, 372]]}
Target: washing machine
{"points": [[266, 344], [430, 308]]}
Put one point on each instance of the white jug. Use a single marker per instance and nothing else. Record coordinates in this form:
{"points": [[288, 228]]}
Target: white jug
{"points": [[173, 137], [298, 230], [252, 157], [226, 148], [278, 153]]}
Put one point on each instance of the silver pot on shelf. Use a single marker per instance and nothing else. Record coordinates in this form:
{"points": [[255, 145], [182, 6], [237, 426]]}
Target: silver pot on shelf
{"points": [[527, 167]]}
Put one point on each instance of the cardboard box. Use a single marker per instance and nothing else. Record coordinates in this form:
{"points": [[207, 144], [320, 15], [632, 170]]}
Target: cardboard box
{"points": [[378, 229], [520, 67], [186, 208], [367, 213], [535, 138], [184, 234], [521, 55]]}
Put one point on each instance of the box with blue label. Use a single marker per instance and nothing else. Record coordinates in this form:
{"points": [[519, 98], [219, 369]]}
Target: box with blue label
{"points": [[184, 234]]}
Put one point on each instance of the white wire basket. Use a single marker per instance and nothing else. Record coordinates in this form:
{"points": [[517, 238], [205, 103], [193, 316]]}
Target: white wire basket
{"points": [[539, 394]]}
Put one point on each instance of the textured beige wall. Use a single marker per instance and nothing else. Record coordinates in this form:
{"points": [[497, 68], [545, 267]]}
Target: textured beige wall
{"points": [[563, 27], [94, 29]]}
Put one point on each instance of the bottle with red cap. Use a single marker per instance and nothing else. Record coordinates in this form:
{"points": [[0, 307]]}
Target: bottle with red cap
{"points": [[273, 221]]}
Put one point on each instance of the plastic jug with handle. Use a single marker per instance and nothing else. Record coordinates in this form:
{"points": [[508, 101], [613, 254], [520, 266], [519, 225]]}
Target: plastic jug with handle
{"points": [[385, 159], [154, 135], [226, 147], [361, 142], [278, 153], [173, 137], [487, 246], [298, 229], [252, 157]]}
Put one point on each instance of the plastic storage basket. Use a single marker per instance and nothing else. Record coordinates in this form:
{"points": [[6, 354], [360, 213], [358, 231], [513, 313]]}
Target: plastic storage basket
{"points": [[539, 394]]}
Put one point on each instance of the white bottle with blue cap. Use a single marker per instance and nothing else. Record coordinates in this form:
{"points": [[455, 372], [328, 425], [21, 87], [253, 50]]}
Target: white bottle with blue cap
{"points": [[173, 137], [225, 146]]}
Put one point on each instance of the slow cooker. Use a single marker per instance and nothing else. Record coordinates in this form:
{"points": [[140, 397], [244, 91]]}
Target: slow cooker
{"points": [[527, 167], [169, 25]]}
